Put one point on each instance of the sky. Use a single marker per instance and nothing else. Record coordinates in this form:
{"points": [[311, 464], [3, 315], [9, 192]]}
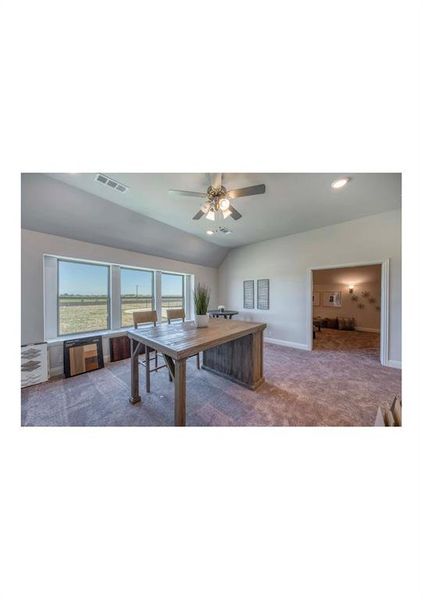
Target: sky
{"points": [[80, 278]]}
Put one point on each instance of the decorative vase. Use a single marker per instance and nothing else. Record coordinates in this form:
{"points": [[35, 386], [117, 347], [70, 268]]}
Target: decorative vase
{"points": [[202, 320]]}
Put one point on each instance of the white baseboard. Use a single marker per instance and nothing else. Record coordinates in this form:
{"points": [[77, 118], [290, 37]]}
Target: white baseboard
{"points": [[286, 343], [368, 329], [395, 364]]}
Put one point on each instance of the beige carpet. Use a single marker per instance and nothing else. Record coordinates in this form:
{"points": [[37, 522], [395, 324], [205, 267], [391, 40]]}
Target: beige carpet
{"points": [[350, 341], [340, 383]]}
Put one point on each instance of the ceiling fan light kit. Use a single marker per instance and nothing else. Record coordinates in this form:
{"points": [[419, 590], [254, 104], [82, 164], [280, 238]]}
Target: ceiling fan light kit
{"points": [[219, 199], [224, 204]]}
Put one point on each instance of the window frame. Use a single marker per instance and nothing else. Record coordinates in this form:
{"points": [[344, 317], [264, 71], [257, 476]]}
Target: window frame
{"points": [[109, 299], [153, 289], [51, 296]]}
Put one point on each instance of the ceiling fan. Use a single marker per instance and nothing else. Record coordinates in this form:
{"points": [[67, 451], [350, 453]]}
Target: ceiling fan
{"points": [[218, 198]]}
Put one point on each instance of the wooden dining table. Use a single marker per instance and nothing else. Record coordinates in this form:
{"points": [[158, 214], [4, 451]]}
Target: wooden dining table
{"points": [[231, 349]]}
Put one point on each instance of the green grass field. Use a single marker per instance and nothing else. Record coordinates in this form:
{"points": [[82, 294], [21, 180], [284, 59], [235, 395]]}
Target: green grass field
{"points": [[78, 314]]}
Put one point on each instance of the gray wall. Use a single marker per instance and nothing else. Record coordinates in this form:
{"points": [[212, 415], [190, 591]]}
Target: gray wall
{"points": [[285, 261]]}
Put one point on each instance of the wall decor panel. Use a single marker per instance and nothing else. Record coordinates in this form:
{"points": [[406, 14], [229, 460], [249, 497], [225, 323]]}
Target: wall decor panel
{"points": [[249, 293], [263, 294]]}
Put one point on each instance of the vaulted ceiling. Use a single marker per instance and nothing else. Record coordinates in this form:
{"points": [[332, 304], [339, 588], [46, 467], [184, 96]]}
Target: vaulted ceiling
{"points": [[51, 206], [148, 219], [293, 202]]}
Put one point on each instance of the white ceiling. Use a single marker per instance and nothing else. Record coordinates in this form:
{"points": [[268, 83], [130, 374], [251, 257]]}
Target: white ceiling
{"points": [[293, 202]]}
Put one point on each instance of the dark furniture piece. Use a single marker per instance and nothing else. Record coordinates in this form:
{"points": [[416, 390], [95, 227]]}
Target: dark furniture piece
{"points": [[347, 323], [231, 350], [120, 348], [223, 313]]}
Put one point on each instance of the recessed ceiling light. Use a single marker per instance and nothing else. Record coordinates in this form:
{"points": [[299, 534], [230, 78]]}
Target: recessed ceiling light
{"points": [[339, 183], [209, 232]]}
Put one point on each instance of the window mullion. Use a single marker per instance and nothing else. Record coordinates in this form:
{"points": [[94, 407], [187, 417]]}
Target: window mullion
{"points": [[158, 294], [115, 287], [188, 297]]}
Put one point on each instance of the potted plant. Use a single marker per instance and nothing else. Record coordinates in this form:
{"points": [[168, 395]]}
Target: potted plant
{"points": [[201, 303]]}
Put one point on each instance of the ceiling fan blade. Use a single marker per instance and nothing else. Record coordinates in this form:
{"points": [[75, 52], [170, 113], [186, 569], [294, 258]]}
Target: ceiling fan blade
{"points": [[198, 215], [234, 213], [187, 193], [216, 180], [247, 191]]}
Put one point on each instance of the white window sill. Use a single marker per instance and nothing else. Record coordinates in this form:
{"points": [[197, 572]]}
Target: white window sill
{"points": [[81, 336]]}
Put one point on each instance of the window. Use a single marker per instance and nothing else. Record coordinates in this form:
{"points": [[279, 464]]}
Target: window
{"points": [[172, 292], [136, 293], [83, 297], [86, 297]]}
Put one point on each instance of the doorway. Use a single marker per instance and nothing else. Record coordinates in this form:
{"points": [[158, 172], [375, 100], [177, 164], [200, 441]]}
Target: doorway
{"points": [[348, 309]]}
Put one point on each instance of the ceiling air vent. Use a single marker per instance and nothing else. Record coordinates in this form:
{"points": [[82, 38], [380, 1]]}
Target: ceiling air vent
{"points": [[225, 230], [111, 183]]}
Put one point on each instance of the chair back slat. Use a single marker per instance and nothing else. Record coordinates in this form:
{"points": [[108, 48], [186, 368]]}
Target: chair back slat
{"points": [[175, 313], [144, 316]]}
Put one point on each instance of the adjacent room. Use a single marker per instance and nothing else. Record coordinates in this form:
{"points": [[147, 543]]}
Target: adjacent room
{"points": [[197, 299], [347, 308]]}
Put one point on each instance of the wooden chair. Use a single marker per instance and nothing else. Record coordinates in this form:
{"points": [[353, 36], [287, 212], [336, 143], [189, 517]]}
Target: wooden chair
{"points": [[147, 317], [174, 314]]}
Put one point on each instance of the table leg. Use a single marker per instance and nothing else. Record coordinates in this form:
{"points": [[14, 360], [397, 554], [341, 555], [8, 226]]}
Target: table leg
{"points": [[135, 387], [180, 392], [170, 366], [240, 360], [147, 369]]}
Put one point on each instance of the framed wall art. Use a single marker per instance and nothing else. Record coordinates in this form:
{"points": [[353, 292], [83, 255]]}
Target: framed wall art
{"points": [[249, 293], [332, 299], [263, 294], [82, 355]]}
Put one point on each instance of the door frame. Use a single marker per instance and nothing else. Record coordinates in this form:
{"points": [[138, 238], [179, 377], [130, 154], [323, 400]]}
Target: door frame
{"points": [[384, 303]]}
